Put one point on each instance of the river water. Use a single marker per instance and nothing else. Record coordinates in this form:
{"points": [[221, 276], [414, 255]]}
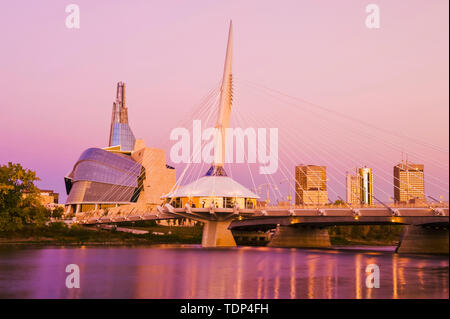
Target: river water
{"points": [[189, 271]]}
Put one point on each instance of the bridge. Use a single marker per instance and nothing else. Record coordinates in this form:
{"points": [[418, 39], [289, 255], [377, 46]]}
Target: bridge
{"points": [[223, 205], [426, 228]]}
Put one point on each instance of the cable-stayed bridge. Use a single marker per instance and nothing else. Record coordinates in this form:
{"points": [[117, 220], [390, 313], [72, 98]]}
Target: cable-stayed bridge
{"points": [[195, 195], [426, 228]]}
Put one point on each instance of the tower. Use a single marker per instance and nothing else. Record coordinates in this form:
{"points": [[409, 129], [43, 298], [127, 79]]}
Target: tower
{"points": [[223, 118], [366, 185], [120, 132], [220, 194]]}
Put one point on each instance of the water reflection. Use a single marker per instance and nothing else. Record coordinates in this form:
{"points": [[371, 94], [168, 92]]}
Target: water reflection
{"points": [[293, 276], [330, 278], [394, 276], [312, 259], [193, 272], [358, 276]]}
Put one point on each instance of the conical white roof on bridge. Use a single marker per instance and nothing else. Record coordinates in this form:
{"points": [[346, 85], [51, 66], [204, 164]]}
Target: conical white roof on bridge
{"points": [[218, 186]]}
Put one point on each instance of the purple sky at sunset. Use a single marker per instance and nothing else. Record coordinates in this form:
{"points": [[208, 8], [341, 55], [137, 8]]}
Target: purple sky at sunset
{"points": [[58, 84]]}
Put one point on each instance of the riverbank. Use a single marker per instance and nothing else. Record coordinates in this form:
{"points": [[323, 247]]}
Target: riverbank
{"points": [[371, 235], [60, 234]]}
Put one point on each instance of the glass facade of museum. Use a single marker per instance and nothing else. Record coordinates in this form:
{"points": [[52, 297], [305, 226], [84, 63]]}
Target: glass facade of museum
{"points": [[103, 178], [122, 135]]}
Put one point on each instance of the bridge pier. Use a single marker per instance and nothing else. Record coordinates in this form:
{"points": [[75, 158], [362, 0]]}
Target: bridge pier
{"points": [[424, 240], [300, 237], [217, 234]]}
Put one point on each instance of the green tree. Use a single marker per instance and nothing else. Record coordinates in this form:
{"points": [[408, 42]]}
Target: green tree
{"points": [[58, 212], [19, 198]]}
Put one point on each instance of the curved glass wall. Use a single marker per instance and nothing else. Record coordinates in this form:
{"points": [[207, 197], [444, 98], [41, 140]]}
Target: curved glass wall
{"points": [[102, 176]]}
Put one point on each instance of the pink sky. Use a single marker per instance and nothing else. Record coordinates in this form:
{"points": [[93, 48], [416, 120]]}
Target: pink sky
{"points": [[58, 84]]}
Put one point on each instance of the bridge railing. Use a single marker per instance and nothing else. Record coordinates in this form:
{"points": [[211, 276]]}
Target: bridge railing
{"points": [[145, 211], [347, 206]]}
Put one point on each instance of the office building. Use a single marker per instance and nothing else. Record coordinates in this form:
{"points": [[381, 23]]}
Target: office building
{"points": [[352, 189], [311, 185], [365, 185], [409, 186], [359, 187]]}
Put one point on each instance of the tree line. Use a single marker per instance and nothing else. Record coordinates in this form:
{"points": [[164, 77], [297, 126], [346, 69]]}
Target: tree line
{"points": [[19, 199]]}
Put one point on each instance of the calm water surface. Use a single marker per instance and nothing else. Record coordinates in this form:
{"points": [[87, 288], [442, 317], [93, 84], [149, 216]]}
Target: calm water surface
{"points": [[174, 271]]}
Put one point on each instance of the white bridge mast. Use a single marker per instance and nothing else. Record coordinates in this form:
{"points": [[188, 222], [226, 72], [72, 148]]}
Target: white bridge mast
{"points": [[223, 118]]}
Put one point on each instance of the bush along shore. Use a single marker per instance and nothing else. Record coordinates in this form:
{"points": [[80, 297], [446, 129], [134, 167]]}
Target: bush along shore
{"points": [[372, 235], [60, 234]]}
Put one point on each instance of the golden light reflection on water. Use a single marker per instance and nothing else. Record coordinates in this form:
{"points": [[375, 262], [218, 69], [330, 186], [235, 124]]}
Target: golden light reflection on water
{"points": [[192, 272], [330, 277], [293, 275], [312, 260], [358, 276], [394, 277], [239, 274], [259, 287], [260, 268], [421, 266], [401, 277], [276, 287], [266, 273]]}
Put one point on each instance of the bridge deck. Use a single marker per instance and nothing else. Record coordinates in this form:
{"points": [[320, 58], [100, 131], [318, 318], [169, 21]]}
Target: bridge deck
{"points": [[276, 215]]}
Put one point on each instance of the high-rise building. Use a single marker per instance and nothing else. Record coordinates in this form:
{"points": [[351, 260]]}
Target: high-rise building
{"points": [[352, 189], [311, 185], [365, 185], [409, 183], [359, 187]]}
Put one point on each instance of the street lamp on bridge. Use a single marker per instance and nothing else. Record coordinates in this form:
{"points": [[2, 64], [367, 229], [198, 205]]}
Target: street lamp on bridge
{"points": [[259, 188], [289, 198]]}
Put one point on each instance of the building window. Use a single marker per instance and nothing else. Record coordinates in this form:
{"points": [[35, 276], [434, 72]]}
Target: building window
{"points": [[228, 202]]}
